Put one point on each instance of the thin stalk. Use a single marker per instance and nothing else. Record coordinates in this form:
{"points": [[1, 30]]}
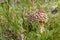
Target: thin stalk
{"points": [[22, 30], [41, 27]]}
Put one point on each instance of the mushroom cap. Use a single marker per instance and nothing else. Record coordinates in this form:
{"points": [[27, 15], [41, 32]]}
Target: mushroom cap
{"points": [[39, 16]]}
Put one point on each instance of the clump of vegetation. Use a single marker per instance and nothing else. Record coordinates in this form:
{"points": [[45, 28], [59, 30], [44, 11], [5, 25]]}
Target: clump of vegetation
{"points": [[15, 25]]}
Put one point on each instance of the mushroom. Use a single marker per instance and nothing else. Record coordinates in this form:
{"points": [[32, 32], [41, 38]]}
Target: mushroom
{"points": [[40, 17]]}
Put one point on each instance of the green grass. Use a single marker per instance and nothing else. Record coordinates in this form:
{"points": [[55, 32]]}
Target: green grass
{"points": [[13, 18]]}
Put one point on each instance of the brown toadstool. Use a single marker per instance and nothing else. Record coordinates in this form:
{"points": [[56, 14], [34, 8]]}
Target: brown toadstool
{"points": [[40, 17]]}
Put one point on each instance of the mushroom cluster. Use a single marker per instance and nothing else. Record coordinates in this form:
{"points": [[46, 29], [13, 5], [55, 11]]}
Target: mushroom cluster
{"points": [[40, 17]]}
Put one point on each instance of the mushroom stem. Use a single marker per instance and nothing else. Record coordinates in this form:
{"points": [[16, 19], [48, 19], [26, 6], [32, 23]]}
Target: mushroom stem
{"points": [[41, 27]]}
